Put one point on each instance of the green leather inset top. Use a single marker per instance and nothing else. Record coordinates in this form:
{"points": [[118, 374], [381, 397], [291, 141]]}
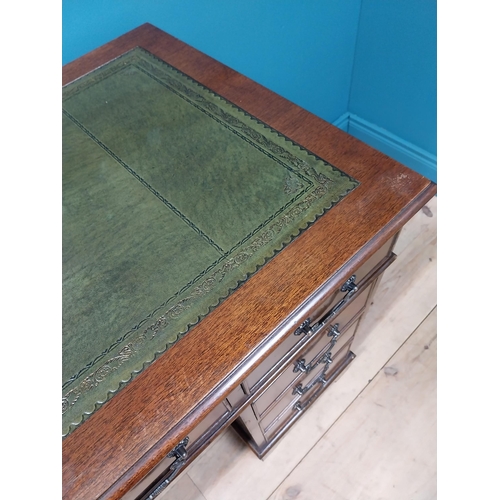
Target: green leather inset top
{"points": [[172, 197]]}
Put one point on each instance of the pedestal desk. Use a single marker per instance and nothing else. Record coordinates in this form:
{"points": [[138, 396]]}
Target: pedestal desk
{"points": [[220, 246]]}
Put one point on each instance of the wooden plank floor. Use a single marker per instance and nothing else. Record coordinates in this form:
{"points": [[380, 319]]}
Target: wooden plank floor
{"points": [[372, 435]]}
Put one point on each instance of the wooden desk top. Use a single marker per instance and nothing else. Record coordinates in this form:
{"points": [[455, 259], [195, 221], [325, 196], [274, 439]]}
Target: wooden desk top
{"points": [[120, 442]]}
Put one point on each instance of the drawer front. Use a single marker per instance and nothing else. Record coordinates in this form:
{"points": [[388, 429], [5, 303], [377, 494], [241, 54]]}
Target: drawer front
{"points": [[334, 370], [292, 374], [373, 261], [330, 332], [279, 413], [292, 405], [157, 480], [331, 350], [333, 328], [294, 342], [236, 397], [276, 389], [273, 359], [340, 352], [352, 309], [360, 274]]}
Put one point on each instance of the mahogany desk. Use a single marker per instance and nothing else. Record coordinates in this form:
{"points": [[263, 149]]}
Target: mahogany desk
{"points": [[255, 318]]}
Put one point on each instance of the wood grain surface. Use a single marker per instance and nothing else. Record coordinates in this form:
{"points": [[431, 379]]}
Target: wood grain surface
{"points": [[117, 446]]}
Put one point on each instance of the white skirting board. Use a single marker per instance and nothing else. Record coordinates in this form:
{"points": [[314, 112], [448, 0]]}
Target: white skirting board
{"points": [[403, 151]]}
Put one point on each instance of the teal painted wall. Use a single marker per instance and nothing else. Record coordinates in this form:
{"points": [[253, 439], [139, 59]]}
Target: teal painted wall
{"points": [[394, 76], [301, 49]]}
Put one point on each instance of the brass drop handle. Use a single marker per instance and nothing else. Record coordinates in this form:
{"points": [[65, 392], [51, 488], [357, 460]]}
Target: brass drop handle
{"points": [[350, 286], [180, 454], [300, 366], [327, 358], [334, 332], [305, 328], [299, 390], [298, 406]]}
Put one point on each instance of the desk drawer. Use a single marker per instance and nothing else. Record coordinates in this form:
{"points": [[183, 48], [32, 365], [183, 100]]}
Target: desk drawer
{"points": [[339, 329], [264, 434], [340, 352], [330, 332], [278, 413], [337, 367], [296, 340], [362, 272], [161, 476], [274, 359], [293, 373], [310, 387], [270, 405]]}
